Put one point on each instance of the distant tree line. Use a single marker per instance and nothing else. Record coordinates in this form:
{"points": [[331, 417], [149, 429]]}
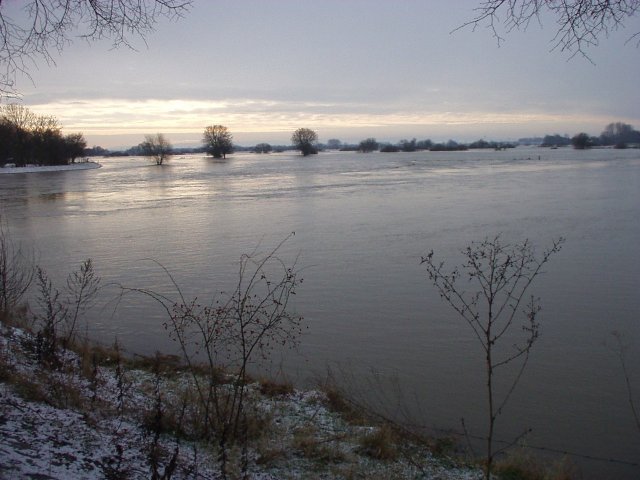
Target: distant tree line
{"points": [[371, 145], [27, 138], [217, 141], [615, 134], [555, 141], [618, 135]]}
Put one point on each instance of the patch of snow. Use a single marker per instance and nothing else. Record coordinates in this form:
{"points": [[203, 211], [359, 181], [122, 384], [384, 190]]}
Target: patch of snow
{"points": [[52, 168], [100, 430]]}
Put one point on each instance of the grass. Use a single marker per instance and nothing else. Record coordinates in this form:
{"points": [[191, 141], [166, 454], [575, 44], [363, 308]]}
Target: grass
{"points": [[339, 403], [521, 465], [310, 444], [381, 443], [272, 388]]}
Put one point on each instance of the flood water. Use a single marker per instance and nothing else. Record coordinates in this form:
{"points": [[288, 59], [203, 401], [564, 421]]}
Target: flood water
{"points": [[362, 222]]}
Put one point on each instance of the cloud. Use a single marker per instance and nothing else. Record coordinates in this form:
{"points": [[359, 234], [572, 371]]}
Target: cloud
{"points": [[257, 116]]}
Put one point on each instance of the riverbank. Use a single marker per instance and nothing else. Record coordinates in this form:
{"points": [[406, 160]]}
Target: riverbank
{"points": [[52, 168], [94, 413]]}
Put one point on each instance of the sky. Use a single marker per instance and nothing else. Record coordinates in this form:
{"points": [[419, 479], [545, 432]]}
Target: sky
{"points": [[349, 69]]}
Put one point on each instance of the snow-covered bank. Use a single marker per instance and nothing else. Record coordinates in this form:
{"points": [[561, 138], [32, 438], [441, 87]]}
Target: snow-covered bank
{"points": [[52, 168], [98, 423]]}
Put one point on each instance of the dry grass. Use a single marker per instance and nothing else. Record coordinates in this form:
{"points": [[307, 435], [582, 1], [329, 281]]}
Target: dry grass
{"points": [[17, 317], [272, 388], [442, 446], [5, 368], [165, 364], [522, 465], [339, 403], [28, 389], [307, 441], [381, 443], [269, 454]]}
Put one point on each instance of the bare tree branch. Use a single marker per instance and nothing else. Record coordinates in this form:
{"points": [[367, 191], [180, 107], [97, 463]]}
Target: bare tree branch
{"points": [[579, 24], [44, 27]]}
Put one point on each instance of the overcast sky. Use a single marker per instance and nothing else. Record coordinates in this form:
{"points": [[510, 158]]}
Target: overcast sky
{"points": [[349, 69]]}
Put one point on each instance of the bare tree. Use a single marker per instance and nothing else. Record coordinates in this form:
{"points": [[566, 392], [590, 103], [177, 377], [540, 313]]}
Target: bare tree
{"points": [[32, 138], [18, 116], [262, 148], [218, 141], [156, 147], [41, 27], [75, 144], [304, 139], [502, 274], [368, 145], [580, 24]]}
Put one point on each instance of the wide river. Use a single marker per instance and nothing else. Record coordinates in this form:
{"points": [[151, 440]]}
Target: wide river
{"points": [[362, 222]]}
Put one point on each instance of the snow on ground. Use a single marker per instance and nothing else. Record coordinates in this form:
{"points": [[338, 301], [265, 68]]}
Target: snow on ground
{"points": [[53, 168], [62, 424]]}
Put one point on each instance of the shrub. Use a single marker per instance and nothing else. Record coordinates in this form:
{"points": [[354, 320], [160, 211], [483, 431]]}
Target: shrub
{"points": [[228, 334]]}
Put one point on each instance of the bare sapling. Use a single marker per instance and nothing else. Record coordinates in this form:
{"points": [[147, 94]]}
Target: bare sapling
{"points": [[236, 330], [59, 312], [17, 270], [621, 350], [49, 318], [82, 289], [496, 308]]}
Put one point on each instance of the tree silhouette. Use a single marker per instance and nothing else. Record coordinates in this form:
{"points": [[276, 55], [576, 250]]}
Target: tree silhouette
{"points": [[304, 139], [217, 141], [156, 147], [368, 145]]}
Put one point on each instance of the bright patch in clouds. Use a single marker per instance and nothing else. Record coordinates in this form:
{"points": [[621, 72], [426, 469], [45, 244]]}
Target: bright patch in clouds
{"points": [[117, 117]]}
